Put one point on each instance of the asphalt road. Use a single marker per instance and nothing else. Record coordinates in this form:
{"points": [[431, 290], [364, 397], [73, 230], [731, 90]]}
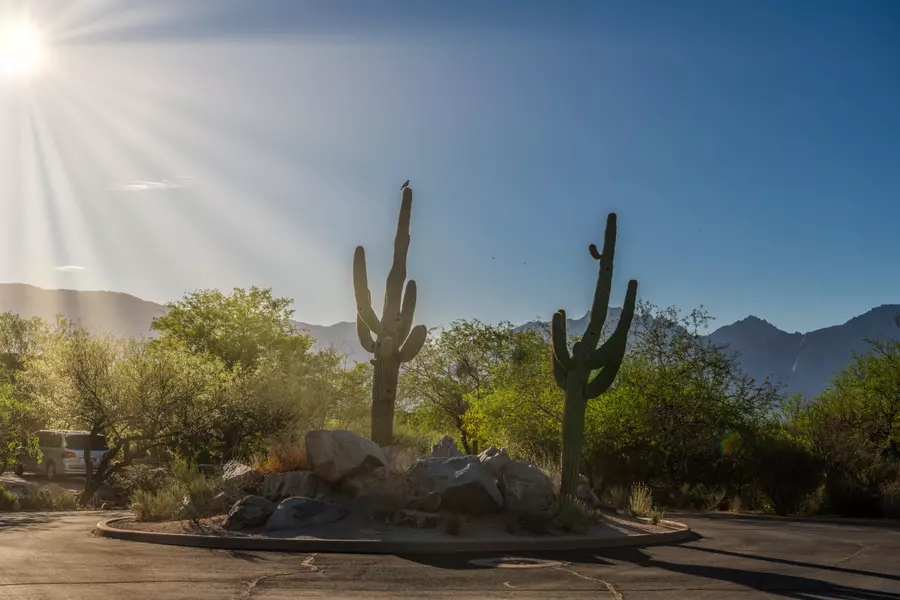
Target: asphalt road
{"points": [[53, 556]]}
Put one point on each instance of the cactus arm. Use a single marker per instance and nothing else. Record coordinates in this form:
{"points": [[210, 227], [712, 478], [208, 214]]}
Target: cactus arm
{"points": [[604, 284], [413, 343], [397, 275], [594, 252], [617, 342], [560, 374], [407, 311], [365, 336], [363, 295], [602, 381], [560, 341]]}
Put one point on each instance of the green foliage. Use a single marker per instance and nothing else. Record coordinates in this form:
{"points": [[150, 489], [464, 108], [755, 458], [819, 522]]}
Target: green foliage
{"points": [[138, 477], [18, 421], [158, 505], [392, 339], [573, 371], [788, 470], [237, 329], [9, 501], [656, 515], [453, 365]]}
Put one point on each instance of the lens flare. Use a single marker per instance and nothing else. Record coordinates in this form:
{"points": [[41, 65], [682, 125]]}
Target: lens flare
{"points": [[21, 49]]}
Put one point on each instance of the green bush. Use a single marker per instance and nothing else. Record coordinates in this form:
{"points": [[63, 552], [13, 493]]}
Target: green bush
{"points": [[157, 505], [199, 495], [616, 496], [656, 515], [37, 499], [9, 501], [788, 471], [139, 477]]}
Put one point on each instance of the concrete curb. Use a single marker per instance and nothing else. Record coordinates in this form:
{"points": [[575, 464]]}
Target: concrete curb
{"points": [[107, 529]]}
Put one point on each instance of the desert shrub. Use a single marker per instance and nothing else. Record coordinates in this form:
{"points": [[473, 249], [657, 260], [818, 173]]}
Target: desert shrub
{"points": [[616, 496], [788, 470], [571, 514], [37, 499], [708, 498], [640, 500], [157, 505], [9, 501], [139, 477], [551, 466], [282, 458], [66, 502], [656, 515], [200, 495]]}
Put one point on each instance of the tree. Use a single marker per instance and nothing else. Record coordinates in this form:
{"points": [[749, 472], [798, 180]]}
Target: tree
{"points": [[17, 426], [452, 365], [133, 392], [237, 329], [19, 340]]}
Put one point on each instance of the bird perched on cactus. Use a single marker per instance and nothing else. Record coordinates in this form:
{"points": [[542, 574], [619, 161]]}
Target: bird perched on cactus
{"points": [[391, 339], [573, 371]]}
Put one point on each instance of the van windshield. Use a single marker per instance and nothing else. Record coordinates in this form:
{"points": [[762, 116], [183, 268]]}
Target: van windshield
{"points": [[80, 442]]}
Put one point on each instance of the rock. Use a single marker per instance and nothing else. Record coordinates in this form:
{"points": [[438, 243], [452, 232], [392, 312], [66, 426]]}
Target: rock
{"points": [[335, 454], [415, 518], [462, 483], [445, 448], [585, 493], [249, 512], [240, 476], [296, 512], [427, 503], [366, 483], [279, 486], [525, 487], [493, 459]]}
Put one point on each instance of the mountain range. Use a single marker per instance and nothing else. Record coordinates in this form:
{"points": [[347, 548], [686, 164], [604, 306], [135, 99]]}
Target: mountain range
{"points": [[803, 363]]}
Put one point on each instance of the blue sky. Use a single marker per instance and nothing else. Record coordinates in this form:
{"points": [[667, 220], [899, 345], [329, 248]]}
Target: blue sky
{"points": [[750, 149]]}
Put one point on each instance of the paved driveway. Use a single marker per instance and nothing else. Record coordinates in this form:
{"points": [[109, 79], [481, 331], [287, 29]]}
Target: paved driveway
{"points": [[53, 556]]}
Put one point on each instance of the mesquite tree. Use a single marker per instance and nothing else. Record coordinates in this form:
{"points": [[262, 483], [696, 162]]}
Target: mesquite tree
{"points": [[573, 371], [396, 340]]}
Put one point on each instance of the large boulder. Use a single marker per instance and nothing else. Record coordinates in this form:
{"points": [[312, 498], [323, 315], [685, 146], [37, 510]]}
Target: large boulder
{"points": [[279, 486], [493, 459], [296, 512], [249, 512], [337, 453], [240, 476], [445, 448], [462, 482], [525, 487]]}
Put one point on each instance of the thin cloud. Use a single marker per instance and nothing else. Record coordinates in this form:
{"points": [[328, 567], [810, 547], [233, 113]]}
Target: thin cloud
{"points": [[70, 268], [154, 186]]}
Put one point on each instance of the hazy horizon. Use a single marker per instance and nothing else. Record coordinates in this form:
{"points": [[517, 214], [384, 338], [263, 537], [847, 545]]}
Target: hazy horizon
{"points": [[749, 149]]}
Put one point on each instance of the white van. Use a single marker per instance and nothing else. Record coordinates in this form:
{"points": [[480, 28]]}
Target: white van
{"points": [[63, 453]]}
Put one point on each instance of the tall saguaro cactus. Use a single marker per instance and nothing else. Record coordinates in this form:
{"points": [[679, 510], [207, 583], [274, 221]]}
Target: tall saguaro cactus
{"points": [[395, 340], [573, 371]]}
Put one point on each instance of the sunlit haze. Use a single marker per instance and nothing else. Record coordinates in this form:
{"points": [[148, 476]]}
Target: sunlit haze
{"points": [[753, 160]]}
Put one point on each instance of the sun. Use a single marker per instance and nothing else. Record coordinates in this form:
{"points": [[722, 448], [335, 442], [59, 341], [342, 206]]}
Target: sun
{"points": [[21, 49]]}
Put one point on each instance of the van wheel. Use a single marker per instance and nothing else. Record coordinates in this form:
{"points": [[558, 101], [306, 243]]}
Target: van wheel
{"points": [[51, 471], [20, 470]]}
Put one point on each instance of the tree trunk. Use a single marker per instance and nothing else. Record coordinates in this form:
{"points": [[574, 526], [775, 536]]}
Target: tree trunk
{"points": [[384, 395]]}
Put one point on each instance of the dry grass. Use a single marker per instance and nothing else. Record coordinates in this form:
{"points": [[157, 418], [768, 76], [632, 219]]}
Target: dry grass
{"points": [[282, 458], [640, 500], [154, 506], [616, 496]]}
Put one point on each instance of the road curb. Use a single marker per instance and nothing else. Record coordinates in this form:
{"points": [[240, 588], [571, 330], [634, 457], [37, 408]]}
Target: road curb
{"points": [[107, 529]]}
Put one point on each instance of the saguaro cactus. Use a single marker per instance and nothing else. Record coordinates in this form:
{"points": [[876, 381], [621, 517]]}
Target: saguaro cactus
{"points": [[572, 371], [395, 340]]}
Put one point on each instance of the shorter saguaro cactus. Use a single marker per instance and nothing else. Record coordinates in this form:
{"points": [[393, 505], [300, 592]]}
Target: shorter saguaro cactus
{"points": [[396, 340], [572, 371]]}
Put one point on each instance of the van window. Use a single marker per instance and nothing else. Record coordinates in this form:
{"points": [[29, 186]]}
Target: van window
{"points": [[47, 439], [79, 441]]}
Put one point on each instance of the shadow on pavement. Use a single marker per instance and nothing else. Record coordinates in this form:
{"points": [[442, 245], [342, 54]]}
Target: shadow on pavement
{"points": [[776, 584], [20, 519], [797, 563]]}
